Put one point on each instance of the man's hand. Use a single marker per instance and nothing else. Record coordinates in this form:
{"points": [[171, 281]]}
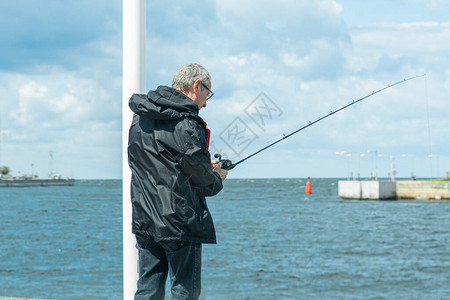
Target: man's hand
{"points": [[217, 167]]}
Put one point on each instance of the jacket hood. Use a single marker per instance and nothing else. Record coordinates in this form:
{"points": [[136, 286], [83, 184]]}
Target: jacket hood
{"points": [[164, 103]]}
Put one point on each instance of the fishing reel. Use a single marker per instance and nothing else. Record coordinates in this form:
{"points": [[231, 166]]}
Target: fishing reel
{"points": [[226, 163]]}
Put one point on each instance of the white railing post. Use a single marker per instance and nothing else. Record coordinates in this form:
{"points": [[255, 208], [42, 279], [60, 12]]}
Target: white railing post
{"points": [[133, 81]]}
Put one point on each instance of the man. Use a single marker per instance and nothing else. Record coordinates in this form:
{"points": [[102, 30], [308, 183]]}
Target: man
{"points": [[172, 173]]}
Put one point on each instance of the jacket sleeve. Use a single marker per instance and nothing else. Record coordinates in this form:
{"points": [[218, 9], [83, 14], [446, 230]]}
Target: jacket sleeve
{"points": [[196, 162]]}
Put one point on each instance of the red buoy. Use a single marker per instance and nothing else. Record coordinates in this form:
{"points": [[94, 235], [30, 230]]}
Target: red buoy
{"points": [[308, 187]]}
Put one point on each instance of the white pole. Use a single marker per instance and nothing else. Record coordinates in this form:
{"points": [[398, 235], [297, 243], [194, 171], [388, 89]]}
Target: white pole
{"points": [[133, 76]]}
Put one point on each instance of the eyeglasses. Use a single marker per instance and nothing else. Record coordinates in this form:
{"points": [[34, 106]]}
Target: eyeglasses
{"points": [[210, 92]]}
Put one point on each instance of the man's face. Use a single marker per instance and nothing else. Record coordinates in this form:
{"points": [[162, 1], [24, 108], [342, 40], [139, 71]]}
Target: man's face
{"points": [[205, 93]]}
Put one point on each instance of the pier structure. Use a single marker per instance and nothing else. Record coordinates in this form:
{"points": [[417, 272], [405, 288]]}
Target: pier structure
{"points": [[7, 180], [30, 182], [395, 189], [367, 189]]}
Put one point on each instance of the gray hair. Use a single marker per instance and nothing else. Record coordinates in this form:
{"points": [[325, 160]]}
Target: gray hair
{"points": [[186, 75]]}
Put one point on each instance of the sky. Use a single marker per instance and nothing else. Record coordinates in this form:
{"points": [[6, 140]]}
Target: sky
{"points": [[275, 67]]}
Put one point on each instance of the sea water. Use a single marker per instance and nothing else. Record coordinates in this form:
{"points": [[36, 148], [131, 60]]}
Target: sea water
{"points": [[274, 242]]}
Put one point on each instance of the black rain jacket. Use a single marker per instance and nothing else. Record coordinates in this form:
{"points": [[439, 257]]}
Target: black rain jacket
{"points": [[171, 168]]}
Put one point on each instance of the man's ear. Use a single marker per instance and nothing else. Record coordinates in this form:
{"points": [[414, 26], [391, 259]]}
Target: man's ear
{"points": [[197, 84]]}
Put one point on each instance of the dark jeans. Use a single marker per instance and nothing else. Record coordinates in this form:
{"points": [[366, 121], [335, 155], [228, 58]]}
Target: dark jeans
{"points": [[181, 260]]}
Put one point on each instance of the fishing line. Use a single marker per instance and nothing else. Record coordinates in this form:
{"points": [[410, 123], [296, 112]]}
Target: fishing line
{"points": [[228, 165], [428, 127]]}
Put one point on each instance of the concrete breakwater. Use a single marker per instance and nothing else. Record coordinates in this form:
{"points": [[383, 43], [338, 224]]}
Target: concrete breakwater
{"points": [[394, 190], [423, 189]]}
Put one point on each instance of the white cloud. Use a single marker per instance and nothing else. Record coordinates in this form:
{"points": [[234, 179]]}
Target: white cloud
{"points": [[404, 38], [62, 112], [31, 97], [435, 4]]}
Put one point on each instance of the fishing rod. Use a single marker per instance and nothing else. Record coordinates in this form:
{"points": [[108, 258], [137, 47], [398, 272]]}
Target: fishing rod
{"points": [[228, 164]]}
